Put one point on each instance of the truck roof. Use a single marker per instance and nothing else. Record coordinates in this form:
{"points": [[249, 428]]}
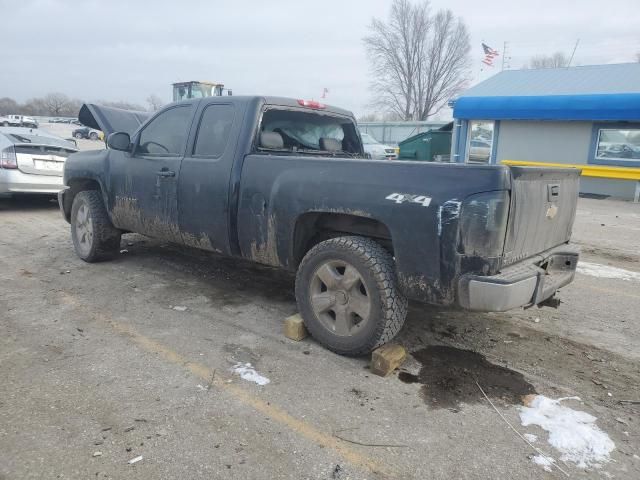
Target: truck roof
{"points": [[272, 100], [110, 119]]}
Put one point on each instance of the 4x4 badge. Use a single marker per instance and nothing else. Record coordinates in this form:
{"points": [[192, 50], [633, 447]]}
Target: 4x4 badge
{"points": [[407, 197]]}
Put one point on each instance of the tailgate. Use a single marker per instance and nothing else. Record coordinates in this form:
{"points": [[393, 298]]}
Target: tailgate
{"points": [[543, 208]]}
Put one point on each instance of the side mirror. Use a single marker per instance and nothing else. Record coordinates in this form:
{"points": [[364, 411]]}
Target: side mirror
{"points": [[119, 141]]}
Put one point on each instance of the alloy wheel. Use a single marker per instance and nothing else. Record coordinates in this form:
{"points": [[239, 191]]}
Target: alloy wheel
{"points": [[339, 298]]}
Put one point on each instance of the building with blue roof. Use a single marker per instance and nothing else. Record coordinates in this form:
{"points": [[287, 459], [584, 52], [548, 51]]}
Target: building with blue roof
{"points": [[578, 116]]}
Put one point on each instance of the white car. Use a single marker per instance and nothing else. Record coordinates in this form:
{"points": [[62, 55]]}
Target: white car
{"points": [[377, 150], [479, 151], [18, 121], [32, 161]]}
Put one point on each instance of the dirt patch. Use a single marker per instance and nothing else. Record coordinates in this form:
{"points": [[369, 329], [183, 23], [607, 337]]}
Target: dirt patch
{"points": [[448, 376]]}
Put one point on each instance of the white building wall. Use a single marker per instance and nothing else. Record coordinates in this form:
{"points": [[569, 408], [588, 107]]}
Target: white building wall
{"points": [[535, 141], [557, 142]]}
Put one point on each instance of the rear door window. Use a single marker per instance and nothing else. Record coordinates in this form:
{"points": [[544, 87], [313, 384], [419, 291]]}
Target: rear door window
{"points": [[214, 131], [166, 135]]}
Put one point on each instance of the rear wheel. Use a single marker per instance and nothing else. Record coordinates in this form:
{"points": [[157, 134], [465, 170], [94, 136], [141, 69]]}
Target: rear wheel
{"points": [[347, 295], [93, 136], [94, 236]]}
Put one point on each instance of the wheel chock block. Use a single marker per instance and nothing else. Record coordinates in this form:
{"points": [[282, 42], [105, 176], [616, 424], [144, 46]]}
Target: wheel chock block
{"points": [[294, 328], [387, 358]]}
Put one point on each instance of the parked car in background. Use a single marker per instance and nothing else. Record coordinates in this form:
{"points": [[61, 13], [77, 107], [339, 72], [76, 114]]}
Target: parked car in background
{"points": [[618, 150], [32, 161], [377, 150], [479, 151], [18, 121], [89, 133]]}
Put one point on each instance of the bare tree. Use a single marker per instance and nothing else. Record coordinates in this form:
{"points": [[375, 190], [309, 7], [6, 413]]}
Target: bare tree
{"points": [[35, 106], [56, 103], [369, 117], [557, 60], [8, 106], [443, 73], [419, 61], [155, 102]]}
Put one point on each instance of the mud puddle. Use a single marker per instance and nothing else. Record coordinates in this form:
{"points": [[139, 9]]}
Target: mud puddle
{"points": [[448, 376]]}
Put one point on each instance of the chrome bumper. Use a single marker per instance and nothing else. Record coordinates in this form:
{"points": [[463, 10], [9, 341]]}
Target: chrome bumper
{"points": [[523, 284], [15, 181]]}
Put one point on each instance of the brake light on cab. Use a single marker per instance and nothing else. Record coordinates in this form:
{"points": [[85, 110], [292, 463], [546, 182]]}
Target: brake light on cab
{"points": [[8, 158], [311, 104]]}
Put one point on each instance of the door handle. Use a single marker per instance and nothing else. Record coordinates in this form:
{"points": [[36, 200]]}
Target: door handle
{"points": [[166, 173]]}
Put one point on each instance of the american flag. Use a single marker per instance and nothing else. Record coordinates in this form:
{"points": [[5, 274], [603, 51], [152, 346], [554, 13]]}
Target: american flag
{"points": [[489, 54]]}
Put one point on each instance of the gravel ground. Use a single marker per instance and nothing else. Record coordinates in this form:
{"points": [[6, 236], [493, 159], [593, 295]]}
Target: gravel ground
{"points": [[100, 364]]}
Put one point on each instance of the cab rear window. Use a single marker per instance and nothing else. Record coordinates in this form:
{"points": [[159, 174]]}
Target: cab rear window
{"points": [[304, 132]]}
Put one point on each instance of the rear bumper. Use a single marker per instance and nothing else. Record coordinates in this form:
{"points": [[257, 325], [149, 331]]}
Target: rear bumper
{"points": [[523, 284], [15, 181]]}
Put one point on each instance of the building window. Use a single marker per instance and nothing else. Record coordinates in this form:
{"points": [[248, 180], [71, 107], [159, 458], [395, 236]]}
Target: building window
{"points": [[618, 144], [480, 141]]}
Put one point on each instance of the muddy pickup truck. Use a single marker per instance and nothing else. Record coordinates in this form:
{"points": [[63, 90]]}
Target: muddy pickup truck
{"points": [[287, 183]]}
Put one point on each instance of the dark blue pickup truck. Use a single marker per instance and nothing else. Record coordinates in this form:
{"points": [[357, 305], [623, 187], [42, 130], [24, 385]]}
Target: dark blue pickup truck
{"points": [[286, 183]]}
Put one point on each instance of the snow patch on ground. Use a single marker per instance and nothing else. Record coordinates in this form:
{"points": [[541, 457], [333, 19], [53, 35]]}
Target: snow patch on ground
{"points": [[606, 271], [247, 372], [572, 432], [544, 462], [531, 437]]}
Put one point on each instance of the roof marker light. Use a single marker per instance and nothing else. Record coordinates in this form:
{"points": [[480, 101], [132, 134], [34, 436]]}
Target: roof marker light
{"points": [[311, 104]]}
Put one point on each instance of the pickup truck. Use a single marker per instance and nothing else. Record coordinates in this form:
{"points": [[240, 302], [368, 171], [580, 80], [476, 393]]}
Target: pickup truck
{"points": [[287, 183], [18, 121]]}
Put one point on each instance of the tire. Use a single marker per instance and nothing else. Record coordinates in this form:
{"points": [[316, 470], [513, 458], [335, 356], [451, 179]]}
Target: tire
{"points": [[93, 136], [77, 135], [325, 302], [5, 124], [94, 236]]}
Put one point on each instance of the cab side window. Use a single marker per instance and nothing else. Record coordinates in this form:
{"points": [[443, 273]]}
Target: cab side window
{"points": [[214, 131], [166, 134]]}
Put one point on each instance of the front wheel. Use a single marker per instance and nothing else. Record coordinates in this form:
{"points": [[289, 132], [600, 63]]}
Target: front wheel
{"points": [[347, 295], [93, 136], [94, 236]]}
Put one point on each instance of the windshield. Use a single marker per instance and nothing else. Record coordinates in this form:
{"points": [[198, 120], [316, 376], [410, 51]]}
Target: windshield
{"points": [[368, 139], [312, 132]]}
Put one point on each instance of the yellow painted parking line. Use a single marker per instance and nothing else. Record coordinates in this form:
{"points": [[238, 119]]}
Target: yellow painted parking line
{"points": [[278, 414]]}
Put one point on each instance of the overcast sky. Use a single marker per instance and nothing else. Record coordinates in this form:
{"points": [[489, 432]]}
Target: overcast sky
{"points": [[126, 50]]}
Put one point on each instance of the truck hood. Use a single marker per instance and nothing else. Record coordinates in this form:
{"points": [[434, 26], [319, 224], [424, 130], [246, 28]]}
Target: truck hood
{"points": [[110, 119]]}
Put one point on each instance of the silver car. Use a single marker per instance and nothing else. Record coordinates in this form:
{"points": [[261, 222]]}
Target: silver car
{"points": [[377, 150], [32, 161]]}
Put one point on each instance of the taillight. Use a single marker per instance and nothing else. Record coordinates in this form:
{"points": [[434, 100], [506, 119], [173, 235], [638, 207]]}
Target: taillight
{"points": [[483, 224], [8, 158], [311, 104]]}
